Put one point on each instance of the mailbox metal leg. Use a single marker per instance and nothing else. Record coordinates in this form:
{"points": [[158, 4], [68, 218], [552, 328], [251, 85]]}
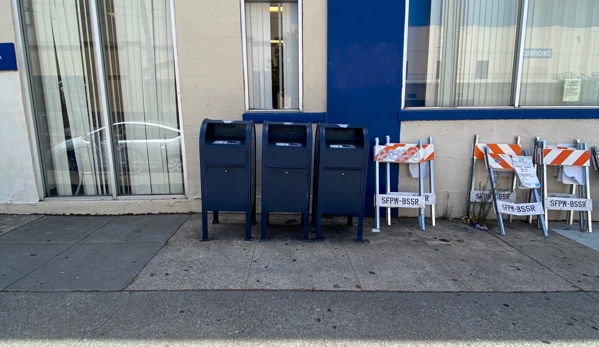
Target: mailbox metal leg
{"points": [[254, 221], [350, 220], [215, 217], [204, 225], [306, 223], [360, 227], [318, 219], [248, 225], [263, 224]]}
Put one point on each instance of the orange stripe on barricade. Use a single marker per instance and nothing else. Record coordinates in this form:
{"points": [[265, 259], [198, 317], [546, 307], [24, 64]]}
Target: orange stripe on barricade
{"points": [[429, 152], [562, 155], [497, 162], [399, 153], [572, 157], [583, 160], [497, 148]]}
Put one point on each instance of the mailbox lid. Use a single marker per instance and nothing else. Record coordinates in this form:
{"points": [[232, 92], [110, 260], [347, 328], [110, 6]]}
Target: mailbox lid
{"points": [[287, 144], [226, 143], [343, 146]]}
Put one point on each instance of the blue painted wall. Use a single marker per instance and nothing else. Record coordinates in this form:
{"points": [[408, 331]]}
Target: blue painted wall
{"points": [[365, 46]]}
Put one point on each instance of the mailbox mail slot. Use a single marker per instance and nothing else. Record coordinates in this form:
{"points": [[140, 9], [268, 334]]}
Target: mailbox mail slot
{"points": [[228, 170], [286, 171]]}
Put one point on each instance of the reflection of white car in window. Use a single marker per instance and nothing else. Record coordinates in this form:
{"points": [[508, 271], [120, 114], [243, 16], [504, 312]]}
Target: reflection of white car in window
{"points": [[138, 147]]}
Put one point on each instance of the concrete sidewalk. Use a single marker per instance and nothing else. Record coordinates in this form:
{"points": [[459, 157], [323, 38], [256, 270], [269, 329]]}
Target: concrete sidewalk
{"points": [[148, 280]]}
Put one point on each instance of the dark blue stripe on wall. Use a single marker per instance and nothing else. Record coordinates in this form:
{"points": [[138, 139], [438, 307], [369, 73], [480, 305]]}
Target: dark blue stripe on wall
{"points": [[297, 117], [513, 113], [365, 45]]}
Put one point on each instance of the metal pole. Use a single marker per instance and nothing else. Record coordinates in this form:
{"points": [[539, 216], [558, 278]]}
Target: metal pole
{"points": [[588, 193], [421, 187], [431, 175], [539, 162], [494, 192], [536, 168], [570, 217], [541, 217], [376, 189], [514, 180], [388, 138], [544, 184], [472, 180]]}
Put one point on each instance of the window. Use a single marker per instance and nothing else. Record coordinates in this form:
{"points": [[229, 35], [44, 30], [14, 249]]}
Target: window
{"points": [[503, 53], [272, 35], [111, 128]]}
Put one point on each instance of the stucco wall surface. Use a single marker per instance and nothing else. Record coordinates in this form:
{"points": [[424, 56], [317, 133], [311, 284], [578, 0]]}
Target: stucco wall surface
{"points": [[453, 145], [210, 52]]}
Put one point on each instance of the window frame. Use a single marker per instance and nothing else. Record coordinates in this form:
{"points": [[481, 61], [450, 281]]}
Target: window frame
{"points": [[519, 43], [300, 20]]}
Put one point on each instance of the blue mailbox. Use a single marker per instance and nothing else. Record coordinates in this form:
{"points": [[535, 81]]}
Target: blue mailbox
{"points": [[340, 167], [228, 170], [286, 171]]}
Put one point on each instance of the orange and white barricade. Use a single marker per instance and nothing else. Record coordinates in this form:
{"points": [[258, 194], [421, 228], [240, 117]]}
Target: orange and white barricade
{"points": [[404, 153], [573, 161], [507, 158]]}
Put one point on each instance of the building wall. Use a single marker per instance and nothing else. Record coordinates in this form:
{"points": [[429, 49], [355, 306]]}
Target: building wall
{"points": [[211, 81], [453, 147], [17, 179], [352, 70], [211, 69]]}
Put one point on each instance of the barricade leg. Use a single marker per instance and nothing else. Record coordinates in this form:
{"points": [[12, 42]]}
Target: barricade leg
{"points": [[376, 192], [495, 198], [431, 177], [544, 185], [514, 180], [472, 179], [388, 179], [588, 196], [421, 189], [541, 216]]}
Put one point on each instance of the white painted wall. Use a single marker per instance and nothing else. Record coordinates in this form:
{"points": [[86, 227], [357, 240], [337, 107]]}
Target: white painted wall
{"points": [[17, 180]]}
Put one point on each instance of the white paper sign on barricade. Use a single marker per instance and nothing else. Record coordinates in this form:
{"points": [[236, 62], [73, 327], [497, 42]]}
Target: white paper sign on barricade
{"points": [[525, 170], [399, 201], [565, 204], [530, 209]]}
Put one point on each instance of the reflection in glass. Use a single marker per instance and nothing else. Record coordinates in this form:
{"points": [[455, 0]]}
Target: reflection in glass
{"points": [[140, 67], [62, 71], [461, 53], [561, 55]]}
